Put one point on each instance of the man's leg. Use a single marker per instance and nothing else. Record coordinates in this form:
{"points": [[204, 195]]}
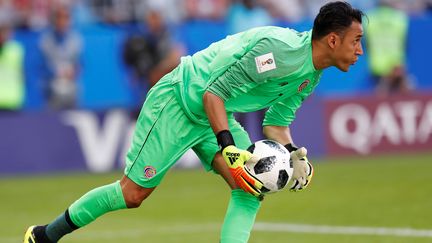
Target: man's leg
{"points": [[242, 208], [155, 147], [95, 203]]}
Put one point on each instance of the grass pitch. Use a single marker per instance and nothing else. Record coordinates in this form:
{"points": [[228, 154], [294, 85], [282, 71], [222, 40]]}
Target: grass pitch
{"points": [[189, 206]]}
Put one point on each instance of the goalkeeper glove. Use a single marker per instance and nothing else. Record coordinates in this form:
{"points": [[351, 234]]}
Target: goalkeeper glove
{"points": [[236, 159], [302, 168]]}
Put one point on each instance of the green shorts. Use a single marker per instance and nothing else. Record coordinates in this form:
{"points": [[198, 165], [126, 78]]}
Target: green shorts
{"points": [[163, 133]]}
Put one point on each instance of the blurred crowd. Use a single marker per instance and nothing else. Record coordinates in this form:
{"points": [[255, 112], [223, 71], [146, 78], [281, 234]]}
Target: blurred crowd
{"points": [[36, 14], [151, 52]]}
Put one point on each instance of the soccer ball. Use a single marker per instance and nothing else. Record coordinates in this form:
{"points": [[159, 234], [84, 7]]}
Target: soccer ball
{"points": [[270, 164]]}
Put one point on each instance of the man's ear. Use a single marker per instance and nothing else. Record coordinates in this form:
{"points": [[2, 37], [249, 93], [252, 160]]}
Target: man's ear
{"points": [[332, 39]]}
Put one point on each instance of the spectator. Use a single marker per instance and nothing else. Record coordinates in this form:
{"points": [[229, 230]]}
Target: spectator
{"points": [[428, 5], [9, 12], [288, 10], [412, 7], [151, 52], [114, 11], [206, 9], [33, 14], [312, 7], [365, 5], [82, 13], [386, 37], [11, 69], [171, 10], [246, 14], [61, 49]]}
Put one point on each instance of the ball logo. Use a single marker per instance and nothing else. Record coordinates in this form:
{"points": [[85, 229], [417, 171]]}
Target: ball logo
{"points": [[303, 85], [149, 172]]}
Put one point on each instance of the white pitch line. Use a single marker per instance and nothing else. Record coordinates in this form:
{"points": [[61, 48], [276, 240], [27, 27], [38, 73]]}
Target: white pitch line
{"points": [[186, 228], [343, 230]]}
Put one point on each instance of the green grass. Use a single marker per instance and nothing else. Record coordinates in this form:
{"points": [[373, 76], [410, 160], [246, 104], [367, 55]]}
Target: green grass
{"points": [[385, 191]]}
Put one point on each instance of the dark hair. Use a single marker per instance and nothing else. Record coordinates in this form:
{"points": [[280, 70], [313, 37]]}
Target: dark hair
{"points": [[335, 17]]}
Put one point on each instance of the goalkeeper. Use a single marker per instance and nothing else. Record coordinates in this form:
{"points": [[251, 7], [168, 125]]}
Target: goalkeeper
{"points": [[266, 67]]}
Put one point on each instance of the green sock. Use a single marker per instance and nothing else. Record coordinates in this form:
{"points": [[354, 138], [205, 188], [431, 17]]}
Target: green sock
{"points": [[240, 217], [61, 226], [86, 209], [97, 202]]}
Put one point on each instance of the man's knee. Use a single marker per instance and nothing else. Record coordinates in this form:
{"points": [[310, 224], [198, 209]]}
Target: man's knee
{"points": [[134, 194], [134, 199]]}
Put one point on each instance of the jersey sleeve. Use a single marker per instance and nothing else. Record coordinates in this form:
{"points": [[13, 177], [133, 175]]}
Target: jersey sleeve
{"points": [[243, 75], [283, 113]]}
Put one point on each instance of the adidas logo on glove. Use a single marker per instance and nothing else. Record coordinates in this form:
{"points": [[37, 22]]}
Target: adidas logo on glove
{"points": [[232, 157]]}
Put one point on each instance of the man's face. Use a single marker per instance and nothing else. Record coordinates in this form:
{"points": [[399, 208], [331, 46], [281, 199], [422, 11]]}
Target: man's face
{"points": [[348, 47], [4, 34], [62, 20], [154, 21]]}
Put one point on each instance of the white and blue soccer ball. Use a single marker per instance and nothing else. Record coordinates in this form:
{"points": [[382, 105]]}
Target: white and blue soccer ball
{"points": [[270, 164]]}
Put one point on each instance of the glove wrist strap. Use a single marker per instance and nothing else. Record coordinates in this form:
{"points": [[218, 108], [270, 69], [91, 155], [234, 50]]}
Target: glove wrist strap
{"points": [[291, 147], [225, 139]]}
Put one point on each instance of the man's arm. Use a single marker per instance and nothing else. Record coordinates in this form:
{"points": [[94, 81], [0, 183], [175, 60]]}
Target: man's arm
{"points": [[235, 158], [216, 113]]}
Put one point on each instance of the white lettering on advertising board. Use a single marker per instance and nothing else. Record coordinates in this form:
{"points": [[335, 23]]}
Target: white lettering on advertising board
{"points": [[105, 142], [400, 123]]}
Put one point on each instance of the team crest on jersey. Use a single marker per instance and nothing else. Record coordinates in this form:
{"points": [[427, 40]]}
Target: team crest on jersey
{"points": [[303, 85], [265, 62], [149, 172]]}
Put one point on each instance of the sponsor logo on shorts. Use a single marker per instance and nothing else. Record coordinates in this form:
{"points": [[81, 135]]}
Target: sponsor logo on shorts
{"points": [[303, 85], [149, 172]]}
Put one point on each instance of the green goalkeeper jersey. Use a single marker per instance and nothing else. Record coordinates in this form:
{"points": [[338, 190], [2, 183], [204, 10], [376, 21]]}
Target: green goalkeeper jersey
{"points": [[265, 67]]}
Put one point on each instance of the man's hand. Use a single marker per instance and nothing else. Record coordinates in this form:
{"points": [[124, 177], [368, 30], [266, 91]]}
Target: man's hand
{"points": [[303, 170], [236, 159]]}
